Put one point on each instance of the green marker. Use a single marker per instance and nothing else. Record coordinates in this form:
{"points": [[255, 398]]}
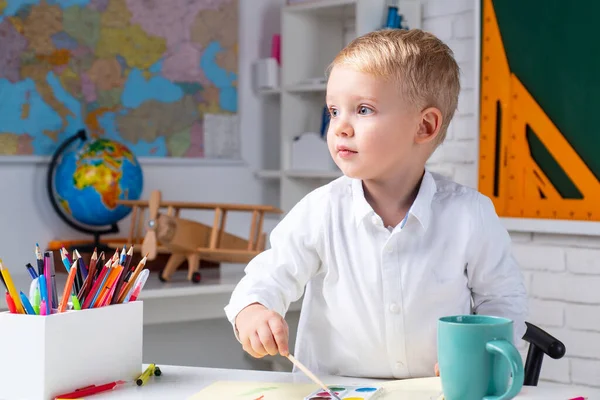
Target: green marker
{"points": [[36, 301], [75, 300]]}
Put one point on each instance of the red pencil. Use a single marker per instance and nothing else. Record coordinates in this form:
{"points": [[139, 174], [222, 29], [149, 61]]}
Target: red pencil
{"points": [[90, 390]]}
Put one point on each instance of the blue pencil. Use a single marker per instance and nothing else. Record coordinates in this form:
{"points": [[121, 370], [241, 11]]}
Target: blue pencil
{"points": [[99, 290]]}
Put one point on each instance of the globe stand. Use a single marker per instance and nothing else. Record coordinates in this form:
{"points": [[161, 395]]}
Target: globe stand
{"points": [[95, 244]]}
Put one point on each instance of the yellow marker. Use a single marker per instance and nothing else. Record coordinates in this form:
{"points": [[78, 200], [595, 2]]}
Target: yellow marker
{"points": [[143, 378], [11, 289]]}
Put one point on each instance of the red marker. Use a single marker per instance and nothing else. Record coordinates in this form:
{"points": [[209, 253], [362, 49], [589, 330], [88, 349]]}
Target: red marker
{"points": [[11, 304], [89, 390]]}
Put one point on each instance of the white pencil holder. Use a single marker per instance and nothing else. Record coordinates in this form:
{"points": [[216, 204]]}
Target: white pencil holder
{"points": [[44, 356]]}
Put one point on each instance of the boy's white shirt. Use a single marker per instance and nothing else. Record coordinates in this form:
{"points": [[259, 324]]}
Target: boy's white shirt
{"points": [[373, 297]]}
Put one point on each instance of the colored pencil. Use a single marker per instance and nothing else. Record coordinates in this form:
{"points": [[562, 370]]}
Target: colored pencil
{"points": [[67, 290], [3, 282], [65, 260], [39, 259], [84, 268], [126, 257], [90, 277], [132, 279], [97, 285], [11, 288], [108, 286]]}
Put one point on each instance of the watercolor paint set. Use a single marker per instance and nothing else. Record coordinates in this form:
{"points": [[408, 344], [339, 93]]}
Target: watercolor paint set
{"points": [[348, 392]]}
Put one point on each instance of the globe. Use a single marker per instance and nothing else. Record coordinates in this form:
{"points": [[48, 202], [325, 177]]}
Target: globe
{"points": [[89, 180]]}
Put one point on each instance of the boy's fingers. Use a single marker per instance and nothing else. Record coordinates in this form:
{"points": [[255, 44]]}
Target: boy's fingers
{"points": [[437, 369], [256, 346], [280, 333], [267, 340], [247, 346]]}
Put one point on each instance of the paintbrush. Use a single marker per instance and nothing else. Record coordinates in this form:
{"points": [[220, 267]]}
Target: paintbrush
{"points": [[312, 376]]}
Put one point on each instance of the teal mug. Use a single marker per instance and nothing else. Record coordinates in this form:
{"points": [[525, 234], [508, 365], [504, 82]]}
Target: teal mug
{"points": [[476, 358]]}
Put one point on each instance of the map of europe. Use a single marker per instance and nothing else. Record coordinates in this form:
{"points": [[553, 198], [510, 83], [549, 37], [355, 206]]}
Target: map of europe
{"points": [[142, 72]]}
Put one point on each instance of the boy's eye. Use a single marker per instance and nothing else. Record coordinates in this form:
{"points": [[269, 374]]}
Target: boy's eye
{"points": [[362, 110], [333, 112]]}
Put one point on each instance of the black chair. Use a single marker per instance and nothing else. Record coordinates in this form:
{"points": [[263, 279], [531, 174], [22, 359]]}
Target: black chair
{"points": [[540, 343]]}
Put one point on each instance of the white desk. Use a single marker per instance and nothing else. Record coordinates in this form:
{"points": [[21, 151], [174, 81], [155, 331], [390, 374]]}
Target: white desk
{"points": [[183, 382]]}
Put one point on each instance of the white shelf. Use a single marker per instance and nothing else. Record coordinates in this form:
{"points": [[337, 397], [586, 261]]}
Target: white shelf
{"points": [[312, 33], [307, 87], [313, 174], [269, 92], [318, 5], [269, 174]]}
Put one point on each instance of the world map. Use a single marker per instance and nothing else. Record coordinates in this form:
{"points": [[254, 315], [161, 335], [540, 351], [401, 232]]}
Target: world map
{"points": [[145, 73]]}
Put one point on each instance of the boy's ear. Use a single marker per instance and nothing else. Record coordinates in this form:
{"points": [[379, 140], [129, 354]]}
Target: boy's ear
{"points": [[430, 125]]}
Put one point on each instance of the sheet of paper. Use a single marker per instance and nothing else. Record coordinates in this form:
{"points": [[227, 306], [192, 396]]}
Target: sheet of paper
{"points": [[412, 389], [221, 136], [409, 389], [233, 390]]}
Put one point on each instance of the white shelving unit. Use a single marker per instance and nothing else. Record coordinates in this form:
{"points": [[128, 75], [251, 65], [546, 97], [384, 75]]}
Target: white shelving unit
{"points": [[313, 32]]}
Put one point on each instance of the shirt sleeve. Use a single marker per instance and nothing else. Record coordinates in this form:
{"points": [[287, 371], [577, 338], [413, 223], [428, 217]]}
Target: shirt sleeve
{"points": [[495, 278], [277, 277]]}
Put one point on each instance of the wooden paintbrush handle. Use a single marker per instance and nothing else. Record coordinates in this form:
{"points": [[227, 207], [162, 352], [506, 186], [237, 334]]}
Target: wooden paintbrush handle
{"points": [[308, 373]]}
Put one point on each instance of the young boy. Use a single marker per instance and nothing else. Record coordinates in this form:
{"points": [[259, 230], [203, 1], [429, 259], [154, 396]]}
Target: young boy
{"points": [[387, 249]]}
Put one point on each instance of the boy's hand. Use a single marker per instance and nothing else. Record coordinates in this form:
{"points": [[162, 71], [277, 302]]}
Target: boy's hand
{"points": [[437, 369], [262, 331]]}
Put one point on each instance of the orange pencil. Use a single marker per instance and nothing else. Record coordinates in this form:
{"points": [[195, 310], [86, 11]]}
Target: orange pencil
{"points": [[67, 290], [114, 274], [109, 284]]}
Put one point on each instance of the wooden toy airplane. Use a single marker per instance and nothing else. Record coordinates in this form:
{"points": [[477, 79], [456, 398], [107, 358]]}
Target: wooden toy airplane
{"points": [[192, 240]]}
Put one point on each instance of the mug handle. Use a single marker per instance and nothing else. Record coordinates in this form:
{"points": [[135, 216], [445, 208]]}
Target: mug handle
{"points": [[509, 351]]}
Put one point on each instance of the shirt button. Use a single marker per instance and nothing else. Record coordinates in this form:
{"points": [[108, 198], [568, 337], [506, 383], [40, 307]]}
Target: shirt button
{"points": [[389, 248], [375, 220], [399, 365], [394, 308]]}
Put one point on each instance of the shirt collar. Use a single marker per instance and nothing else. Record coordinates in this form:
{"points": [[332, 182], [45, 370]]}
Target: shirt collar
{"points": [[420, 209]]}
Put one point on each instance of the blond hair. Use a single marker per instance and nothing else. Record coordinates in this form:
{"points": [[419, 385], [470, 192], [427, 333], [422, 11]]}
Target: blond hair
{"points": [[421, 63]]}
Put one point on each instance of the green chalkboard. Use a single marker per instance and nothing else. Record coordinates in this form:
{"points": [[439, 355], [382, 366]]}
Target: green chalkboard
{"points": [[553, 47]]}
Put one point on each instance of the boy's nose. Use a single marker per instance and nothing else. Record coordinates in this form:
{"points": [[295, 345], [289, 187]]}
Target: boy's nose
{"points": [[344, 130]]}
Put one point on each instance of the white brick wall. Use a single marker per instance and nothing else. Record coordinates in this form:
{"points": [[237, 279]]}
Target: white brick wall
{"points": [[562, 273]]}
